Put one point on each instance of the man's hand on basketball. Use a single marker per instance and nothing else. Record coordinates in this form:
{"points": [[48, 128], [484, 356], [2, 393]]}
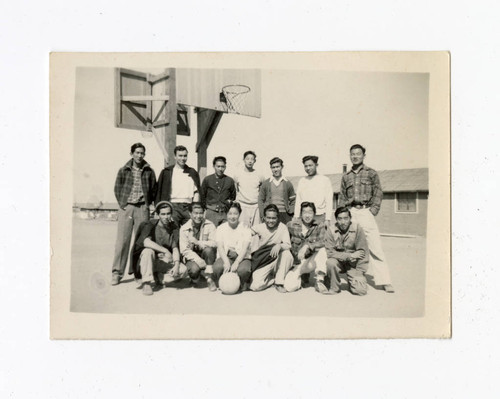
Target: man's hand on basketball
{"points": [[234, 266], [227, 266], [175, 270]]}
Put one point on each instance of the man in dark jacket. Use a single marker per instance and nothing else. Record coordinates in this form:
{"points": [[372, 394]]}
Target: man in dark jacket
{"points": [[156, 250], [277, 190], [180, 185], [134, 191]]}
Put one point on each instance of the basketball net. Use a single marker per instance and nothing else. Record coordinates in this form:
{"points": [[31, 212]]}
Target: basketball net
{"points": [[235, 96]]}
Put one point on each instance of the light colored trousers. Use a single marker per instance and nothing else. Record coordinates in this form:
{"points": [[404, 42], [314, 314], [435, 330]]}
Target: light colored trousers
{"points": [[378, 267], [147, 263], [316, 262], [249, 214], [273, 273], [129, 220]]}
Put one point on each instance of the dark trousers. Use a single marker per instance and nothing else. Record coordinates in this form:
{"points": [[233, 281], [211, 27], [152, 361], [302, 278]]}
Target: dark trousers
{"points": [[284, 217], [355, 277], [244, 269], [208, 254], [180, 214]]}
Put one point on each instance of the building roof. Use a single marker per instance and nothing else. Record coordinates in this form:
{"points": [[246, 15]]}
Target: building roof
{"points": [[398, 180], [106, 206]]}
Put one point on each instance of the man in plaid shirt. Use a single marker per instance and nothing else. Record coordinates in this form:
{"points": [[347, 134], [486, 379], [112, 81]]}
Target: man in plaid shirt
{"points": [[134, 191], [307, 237], [361, 191]]}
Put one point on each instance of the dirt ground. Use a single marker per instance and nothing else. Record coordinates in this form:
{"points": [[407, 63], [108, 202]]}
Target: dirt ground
{"points": [[91, 292]]}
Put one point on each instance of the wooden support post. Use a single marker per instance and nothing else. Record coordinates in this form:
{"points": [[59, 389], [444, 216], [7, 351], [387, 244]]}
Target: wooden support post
{"points": [[208, 120], [171, 111]]}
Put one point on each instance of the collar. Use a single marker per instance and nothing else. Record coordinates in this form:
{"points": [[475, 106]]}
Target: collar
{"points": [[351, 229], [363, 166], [131, 162], [282, 178]]}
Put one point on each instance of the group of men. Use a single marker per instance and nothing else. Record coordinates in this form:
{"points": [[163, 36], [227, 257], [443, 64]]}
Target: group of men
{"points": [[289, 238]]}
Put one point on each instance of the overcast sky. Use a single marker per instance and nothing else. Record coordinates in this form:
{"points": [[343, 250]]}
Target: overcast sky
{"points": [[303, 112]]}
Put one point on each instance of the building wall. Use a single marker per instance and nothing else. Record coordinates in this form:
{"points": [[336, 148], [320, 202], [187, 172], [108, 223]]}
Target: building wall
{"points": [[391, 222]]}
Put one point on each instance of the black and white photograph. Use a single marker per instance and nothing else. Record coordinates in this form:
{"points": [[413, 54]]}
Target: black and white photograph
{"points": [[297, 192]]}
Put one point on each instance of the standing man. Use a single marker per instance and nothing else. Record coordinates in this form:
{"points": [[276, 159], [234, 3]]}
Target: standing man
{"points": [[218, 192], [360, 189], [248, 183], [180, 185], [272, 260], [308, 249], [316, 189], [277, 190], [347, 252], [134, 191], [198, 246], [156, 249]]}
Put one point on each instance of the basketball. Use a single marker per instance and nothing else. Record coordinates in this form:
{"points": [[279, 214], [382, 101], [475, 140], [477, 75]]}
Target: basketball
{"points": [[229, 283]]}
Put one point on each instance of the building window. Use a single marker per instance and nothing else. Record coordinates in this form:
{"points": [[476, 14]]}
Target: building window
{"points": [[406, 202]]}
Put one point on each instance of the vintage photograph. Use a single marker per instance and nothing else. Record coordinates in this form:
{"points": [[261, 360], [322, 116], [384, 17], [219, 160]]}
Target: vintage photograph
{"points": [[283, 192]]}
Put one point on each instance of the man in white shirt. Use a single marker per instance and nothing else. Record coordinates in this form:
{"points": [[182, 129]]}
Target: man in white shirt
{"points": [[197, 245], [180, 185], [248, 182], [273, 259], [315, 188]]}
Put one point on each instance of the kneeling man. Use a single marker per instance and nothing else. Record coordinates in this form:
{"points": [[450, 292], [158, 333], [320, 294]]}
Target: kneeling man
{"points": [[156, 249], [197, 244], [308, 242], [347, 251], [272, 260]]}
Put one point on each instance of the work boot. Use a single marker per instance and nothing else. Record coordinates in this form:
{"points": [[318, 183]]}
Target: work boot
{"points": [[211, 285], [320, 287], [115, 279], [280, 288], [146, 289], [389, 289], [305, 280]]}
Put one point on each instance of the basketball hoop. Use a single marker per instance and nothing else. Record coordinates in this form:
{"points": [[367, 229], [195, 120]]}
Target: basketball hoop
{"points": [[233, 96]]}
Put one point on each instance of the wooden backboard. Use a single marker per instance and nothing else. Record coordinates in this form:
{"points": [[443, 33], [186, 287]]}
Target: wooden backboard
{"points": [[202, 87]]}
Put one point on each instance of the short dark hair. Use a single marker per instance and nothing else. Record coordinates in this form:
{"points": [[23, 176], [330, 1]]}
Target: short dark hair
{"points": [[219, 158], [136, 146], [313, 158], [196, 205], [179, 148], [307, 204], [353, 147], [249, 153], [163, 205], [235, 205], [271, 207], [342, 209], [276, 160]]}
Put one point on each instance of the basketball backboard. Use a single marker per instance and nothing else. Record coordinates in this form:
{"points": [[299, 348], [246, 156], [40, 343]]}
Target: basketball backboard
{"points": [[203, 88]]}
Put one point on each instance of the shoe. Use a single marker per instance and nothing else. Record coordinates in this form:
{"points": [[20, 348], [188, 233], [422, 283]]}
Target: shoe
{"points": [[280, 288], [138, 281], [320, 287], [146, 289], [211, 285], [389, 289], [332, 292], [244, 287], [115, 279], [194, 282]]}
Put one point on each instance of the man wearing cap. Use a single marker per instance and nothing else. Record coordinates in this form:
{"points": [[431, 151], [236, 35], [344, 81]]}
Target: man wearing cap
{"points": [[361, 191], [198, 246], [272, 260], [277, 190], [156, 250], [179, 184], [134, 192], [347, 252], [315, 188], [218, 192]]}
